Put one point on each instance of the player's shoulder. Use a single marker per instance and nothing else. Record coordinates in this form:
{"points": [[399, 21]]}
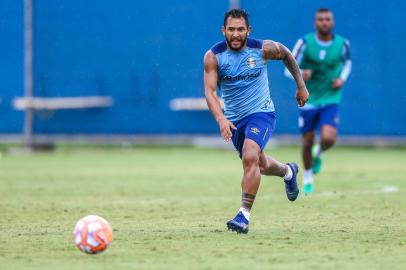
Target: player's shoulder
{"points": [[210, 60], [254, 43], [346, 41], [338, 36], [219, 47], [308, 36], [341, 39]]}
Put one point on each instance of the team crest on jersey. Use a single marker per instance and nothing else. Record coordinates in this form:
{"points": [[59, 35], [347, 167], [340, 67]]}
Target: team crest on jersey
{"points": [[255, 130], [251, 62], [322, 54]]}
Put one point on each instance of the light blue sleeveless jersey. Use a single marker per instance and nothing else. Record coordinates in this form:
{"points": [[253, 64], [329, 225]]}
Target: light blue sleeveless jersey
{"points": [[243, 80]]}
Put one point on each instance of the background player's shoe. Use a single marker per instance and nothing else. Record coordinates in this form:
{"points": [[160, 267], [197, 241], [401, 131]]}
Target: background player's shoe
{"points": [[316, 159], [308, 188], [238, 224], [291, 185]]}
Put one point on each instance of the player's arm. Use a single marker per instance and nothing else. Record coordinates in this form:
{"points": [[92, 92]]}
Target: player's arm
{"points": [[276, 51], [298, 54], [210, 87], [347, 65]]}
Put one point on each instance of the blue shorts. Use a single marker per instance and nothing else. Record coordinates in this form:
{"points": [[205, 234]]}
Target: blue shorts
{"points": [[257, 127], [310, 119]]}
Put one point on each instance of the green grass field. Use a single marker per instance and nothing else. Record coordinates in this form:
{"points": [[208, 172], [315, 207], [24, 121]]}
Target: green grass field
{"points": [[168, 208]]}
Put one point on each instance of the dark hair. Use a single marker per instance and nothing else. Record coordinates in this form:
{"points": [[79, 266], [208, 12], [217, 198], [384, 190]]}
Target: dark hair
{"points": [[236, 13], [321, 10]]}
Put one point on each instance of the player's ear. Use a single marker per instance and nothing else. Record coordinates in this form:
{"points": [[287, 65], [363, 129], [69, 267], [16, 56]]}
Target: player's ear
{"points": [[249, 30], [223, 29]]}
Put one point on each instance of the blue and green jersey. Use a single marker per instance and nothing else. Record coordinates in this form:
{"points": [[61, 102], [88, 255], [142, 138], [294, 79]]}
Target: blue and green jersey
{"points": [[328, 61]]}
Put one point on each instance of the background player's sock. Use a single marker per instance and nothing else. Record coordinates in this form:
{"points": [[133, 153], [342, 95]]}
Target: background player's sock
{"points": [[316, 158], [317, 151], [289, 173], [308, 176], [245, 212], [308, 181]]}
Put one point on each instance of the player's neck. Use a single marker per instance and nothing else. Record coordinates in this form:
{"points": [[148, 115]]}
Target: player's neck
{"points": [[325, 37], [236, 51]]}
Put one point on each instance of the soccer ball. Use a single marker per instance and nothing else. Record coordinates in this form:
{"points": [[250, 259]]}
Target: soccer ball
{"points": [[92, 234]]}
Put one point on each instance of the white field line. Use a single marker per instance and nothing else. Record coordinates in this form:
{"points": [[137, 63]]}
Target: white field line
{"points": [[385, 189]]}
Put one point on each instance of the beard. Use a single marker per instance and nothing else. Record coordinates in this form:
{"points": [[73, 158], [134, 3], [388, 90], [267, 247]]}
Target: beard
{"points": [[326, 31], [242, 41]]}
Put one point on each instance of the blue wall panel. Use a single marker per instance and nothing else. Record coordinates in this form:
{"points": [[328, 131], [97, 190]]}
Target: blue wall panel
{"points": [[11, 64], [144, 53]]}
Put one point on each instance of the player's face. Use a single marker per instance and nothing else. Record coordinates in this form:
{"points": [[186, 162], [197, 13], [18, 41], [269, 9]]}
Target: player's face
{"points": [[324, 22], [236, 32]]}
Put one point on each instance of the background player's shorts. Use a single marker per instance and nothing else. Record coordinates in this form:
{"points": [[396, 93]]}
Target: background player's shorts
{"points": [[257, 127], [310, 119]]}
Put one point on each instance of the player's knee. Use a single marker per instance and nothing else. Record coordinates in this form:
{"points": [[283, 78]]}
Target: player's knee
{"points": [[262, 168], [250, 158], [327, 142], [263, 163]]}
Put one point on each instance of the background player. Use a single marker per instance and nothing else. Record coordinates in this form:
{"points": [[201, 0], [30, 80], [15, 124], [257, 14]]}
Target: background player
{"points": [[324, 59], [238, 66]]}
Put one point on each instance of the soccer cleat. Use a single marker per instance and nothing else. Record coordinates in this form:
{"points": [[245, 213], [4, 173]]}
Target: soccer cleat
{"points": [[238, 224], [316, 159], [292, 191], [308, 188]]}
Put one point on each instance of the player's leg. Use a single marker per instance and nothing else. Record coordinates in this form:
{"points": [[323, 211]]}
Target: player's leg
{"points": [[249, 185], [259, 129], [240, 222], [328, 133], [329, 121], [271, 167], [252, 175], [308, 120], [252, 134], [307, 145], [328, 136]]}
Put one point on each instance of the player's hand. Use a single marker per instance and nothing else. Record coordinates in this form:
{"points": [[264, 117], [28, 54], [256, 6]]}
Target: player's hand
{"points": [[225, 129], [302, 95], [337, 83], [306, 74]]}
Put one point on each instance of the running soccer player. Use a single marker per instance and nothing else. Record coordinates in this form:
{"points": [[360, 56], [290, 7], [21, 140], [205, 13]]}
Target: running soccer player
{"points": [[238, 66], [324, 59]]}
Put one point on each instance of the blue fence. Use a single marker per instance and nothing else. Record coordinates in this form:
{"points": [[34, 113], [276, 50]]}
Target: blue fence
{"points": [[11, 63], [145, 53]]}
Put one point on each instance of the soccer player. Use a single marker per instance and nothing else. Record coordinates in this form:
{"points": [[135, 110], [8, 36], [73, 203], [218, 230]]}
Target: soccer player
{"points": [[324, 59], [238, 66]]}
